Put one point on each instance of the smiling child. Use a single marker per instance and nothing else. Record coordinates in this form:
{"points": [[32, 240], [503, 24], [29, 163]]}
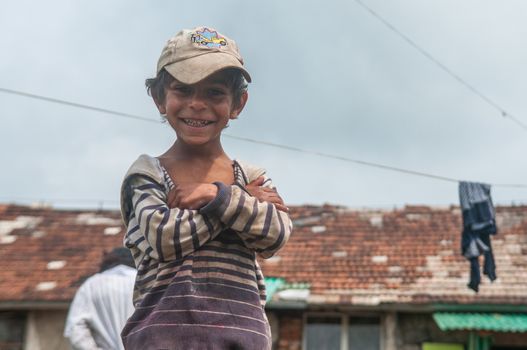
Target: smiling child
{"points": [[195, 218]]}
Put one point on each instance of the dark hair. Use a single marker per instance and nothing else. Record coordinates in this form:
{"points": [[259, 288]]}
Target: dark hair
{"points": [[234, 79], [118, 256], [156, 86]]}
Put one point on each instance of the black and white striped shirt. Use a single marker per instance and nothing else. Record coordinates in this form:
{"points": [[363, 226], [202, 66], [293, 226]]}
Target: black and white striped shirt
{"points": [[198, 284]]}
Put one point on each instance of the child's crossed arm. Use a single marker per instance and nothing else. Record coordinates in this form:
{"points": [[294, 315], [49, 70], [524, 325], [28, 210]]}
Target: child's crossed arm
{"points": [[169, 233], [162, 232], [257, 212], [260, 217]]}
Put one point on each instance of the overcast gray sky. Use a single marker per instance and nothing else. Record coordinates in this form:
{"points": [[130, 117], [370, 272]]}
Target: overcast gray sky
{"points": [[327, 77]]}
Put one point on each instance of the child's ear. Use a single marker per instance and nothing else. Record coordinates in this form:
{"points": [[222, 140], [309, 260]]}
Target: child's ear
{"points": [[160, 106], [238, 109]]}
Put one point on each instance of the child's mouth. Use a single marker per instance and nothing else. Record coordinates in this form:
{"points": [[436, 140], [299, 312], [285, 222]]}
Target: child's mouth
{"points": [[197, 123]]}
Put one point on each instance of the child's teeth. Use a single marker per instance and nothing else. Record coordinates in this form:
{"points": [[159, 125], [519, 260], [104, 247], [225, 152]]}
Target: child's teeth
{"points": [[196, 123]]}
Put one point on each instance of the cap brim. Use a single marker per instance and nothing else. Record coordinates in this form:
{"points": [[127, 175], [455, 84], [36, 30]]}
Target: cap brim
{"points": [[197, 68]]}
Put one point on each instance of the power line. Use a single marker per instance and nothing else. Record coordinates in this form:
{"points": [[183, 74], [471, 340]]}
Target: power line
{"points": [[371, 164], [290, 148], [425, 53], [78, 105]]}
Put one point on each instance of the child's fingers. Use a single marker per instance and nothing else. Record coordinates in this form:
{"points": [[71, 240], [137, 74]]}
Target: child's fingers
{"points": [[281, 207], [267, 189], [274, 198], [257, 182]]}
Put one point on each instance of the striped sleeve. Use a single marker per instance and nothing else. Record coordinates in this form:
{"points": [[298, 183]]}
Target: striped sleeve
{"points": [[261, 226], [169, 234]]}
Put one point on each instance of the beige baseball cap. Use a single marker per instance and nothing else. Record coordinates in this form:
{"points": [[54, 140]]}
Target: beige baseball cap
{"points": [[193, 54]]}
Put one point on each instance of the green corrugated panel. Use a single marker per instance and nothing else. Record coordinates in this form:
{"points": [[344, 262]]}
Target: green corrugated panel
{"points": [[481, 321], [275, 284], [272, 285]]}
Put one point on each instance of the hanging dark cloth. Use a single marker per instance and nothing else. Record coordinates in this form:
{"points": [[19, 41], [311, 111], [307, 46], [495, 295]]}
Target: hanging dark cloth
{"points": [[478, 224]]}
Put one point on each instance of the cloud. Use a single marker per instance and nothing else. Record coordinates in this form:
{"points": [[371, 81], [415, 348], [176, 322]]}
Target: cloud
{"points": [[327, 77]]}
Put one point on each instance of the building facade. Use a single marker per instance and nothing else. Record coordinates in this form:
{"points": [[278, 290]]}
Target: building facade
{"points": [[347, 279]]}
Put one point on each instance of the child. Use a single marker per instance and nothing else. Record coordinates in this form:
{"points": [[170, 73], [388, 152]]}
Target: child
{"points": [[195, 218]]}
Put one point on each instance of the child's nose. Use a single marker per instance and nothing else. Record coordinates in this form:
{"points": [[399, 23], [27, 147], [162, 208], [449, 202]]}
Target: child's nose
{"points": [[197, 101]]}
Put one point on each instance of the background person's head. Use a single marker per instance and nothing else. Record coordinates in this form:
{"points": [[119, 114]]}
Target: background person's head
{"points": [[117, 256]]}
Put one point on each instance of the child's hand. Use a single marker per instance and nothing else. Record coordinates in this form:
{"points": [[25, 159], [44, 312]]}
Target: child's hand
{"points": [[192, 195], [266, 194]]}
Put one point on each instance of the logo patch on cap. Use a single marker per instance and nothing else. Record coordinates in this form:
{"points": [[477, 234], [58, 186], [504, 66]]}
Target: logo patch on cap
{"points": [[208, 38]]}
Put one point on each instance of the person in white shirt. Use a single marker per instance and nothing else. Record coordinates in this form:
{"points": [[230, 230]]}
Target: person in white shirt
{"points": [[102, 304]]}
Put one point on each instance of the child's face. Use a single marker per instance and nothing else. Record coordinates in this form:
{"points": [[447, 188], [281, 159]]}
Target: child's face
{"points": [[199, 112]]}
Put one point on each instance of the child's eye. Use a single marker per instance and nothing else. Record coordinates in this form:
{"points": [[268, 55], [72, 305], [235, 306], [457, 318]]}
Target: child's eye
{"points": [[181, 89], [216, 92]]}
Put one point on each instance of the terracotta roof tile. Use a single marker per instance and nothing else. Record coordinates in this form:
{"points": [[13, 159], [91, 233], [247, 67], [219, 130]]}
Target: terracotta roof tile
{"points": [[409, 255], [363, 257], [43, 236]]}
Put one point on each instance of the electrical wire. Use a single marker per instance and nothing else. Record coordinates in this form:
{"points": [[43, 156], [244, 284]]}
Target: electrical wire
{"points": [[366, 163], [78, 105], [245, 139], [425, 53]]}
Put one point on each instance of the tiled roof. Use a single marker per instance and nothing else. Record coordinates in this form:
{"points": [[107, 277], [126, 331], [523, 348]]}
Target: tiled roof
{"points": [[404, 256], [360, 257], [46, 254]]}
